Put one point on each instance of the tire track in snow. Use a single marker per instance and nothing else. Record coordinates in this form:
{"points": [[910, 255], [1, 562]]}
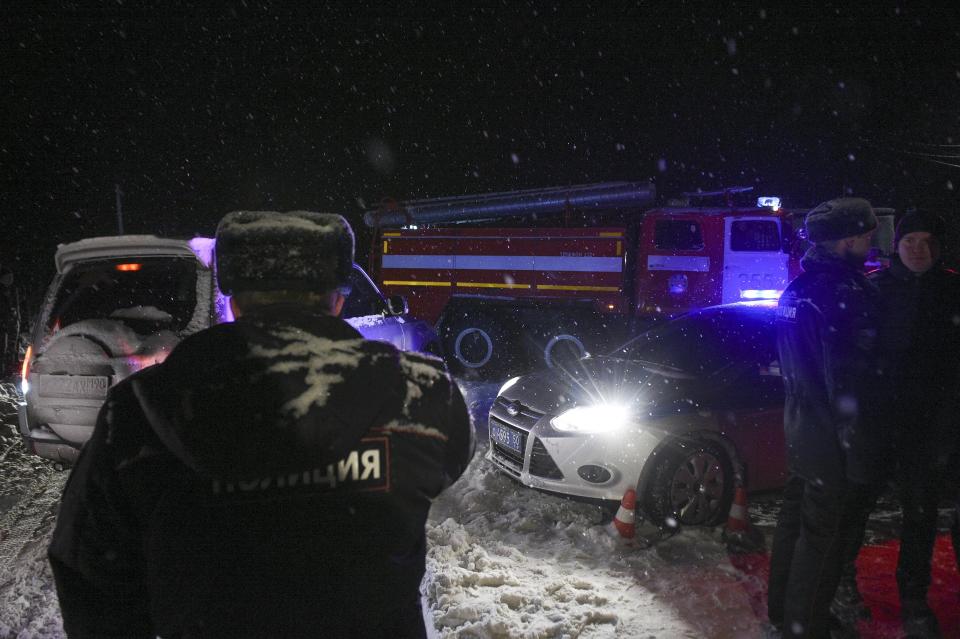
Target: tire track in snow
{"points": [[28, 520]]}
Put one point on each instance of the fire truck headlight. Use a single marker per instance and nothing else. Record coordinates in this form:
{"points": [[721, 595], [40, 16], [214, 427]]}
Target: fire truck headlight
{"points": [[602, 418], [506, 385], [760, 294], [677, 284]]}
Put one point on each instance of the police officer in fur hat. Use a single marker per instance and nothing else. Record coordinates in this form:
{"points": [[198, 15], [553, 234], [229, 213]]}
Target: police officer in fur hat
{"points": [[826, 337], [920, 335], [272, 477]]}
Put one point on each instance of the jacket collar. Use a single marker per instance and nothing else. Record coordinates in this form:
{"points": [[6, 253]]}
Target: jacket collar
{"points": [[301, 317], [819, 259]]}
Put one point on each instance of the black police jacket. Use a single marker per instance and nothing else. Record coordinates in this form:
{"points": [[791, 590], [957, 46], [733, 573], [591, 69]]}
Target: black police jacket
{"points": [[827, 340], [270, 479], [920, 338]]}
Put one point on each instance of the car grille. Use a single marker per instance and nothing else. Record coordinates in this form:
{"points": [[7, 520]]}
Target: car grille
{"points": [[525, 419], [541, 463]]}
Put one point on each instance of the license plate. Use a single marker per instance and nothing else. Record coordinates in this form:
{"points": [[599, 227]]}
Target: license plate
{"points": [[506, 437], [88, 386]]}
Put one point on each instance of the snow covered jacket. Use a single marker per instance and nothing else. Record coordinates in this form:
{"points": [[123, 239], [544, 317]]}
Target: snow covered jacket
{"points": [[270, 479], [920, 338], [833, 376]]}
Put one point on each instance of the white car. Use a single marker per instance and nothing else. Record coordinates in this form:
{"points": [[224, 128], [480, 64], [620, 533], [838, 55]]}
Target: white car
{"points": [[682, 414], [119, 304]]}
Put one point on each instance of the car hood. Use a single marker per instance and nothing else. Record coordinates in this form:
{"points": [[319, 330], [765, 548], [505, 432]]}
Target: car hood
{"points": [[596, 380]]}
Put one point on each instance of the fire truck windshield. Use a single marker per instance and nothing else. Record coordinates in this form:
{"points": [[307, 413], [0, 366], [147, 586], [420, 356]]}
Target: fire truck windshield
{"points": [[755, 235], [681, 235]]}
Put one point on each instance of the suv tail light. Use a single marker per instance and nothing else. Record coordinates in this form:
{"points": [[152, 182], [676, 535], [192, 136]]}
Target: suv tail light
{"points": [[25, 370]]}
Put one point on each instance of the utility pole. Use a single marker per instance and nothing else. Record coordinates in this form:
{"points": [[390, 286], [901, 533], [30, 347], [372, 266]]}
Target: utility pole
{"points": [[116, 188]]}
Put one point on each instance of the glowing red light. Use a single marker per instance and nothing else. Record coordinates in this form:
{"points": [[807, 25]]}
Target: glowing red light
{"points": [[25, 369], [128, 267]]}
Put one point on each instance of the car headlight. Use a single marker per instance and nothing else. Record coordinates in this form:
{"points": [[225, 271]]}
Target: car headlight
{"points": [[602, 418], [507, 384]]}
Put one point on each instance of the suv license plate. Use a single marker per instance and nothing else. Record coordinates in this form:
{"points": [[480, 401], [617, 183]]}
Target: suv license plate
{"points": [[506, 437], [82, 386]]}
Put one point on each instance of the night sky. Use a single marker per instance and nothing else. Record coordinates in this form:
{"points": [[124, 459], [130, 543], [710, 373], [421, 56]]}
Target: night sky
{"points": [[196, 112]]}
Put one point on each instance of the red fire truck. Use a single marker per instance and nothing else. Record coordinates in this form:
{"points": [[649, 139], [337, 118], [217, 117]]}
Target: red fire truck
{"points": [[514, 280]]}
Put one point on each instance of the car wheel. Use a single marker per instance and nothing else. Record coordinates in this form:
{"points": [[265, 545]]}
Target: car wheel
{"points": [[691, 484]]}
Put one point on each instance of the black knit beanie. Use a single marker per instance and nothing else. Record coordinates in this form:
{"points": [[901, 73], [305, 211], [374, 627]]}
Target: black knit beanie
{"points": [[921, 221]]}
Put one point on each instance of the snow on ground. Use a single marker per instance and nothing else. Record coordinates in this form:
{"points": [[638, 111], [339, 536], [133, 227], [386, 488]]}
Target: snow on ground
{"points": [[504, 561], [29, 495]]}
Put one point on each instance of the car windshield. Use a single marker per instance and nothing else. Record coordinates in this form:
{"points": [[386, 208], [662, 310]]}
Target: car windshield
{"points": [[701, 343], [148, 294]]}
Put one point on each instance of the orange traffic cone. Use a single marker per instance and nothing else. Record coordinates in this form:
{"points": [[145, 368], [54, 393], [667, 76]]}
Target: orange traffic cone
{"points": [[739, 535], [737, 520], [624, 524]]}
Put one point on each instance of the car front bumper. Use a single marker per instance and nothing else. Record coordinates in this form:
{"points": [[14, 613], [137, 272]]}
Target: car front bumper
{"points": [[561, 462]]}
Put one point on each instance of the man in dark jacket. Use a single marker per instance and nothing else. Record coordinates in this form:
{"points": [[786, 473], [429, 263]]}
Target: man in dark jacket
{"points": [[826, 335], [920, 336], [272, 477]]}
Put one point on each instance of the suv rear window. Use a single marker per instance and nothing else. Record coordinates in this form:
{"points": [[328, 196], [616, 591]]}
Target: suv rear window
{"points": [[148, 294], [754, 235], [681, 235]]}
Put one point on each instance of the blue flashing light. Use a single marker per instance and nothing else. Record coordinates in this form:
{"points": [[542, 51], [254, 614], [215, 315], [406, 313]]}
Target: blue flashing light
{"points": [[769, 201], [760, 294]]}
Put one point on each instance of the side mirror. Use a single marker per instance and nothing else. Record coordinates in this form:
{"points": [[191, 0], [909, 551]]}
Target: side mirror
{"points": [[397, 305]]}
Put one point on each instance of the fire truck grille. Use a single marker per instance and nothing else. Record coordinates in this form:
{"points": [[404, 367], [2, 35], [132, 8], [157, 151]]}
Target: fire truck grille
{"points": [[541, 463]]}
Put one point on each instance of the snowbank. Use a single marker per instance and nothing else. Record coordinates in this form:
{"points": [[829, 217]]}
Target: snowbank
{"points": [[504, 561]]}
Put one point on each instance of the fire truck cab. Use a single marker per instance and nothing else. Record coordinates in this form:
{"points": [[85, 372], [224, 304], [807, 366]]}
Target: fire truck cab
{"points": [[691, 257]]}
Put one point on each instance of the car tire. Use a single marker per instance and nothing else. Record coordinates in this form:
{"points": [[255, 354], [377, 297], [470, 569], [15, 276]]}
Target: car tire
{"points": [[690, 484]]}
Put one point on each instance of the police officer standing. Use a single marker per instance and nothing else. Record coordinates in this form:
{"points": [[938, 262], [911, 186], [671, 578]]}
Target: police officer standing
{"points": [[920, 335], [272, 477], [826, 337]]}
